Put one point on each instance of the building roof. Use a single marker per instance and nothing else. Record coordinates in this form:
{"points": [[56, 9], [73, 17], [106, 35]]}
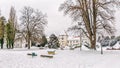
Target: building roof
{"points": [[73, 38]]}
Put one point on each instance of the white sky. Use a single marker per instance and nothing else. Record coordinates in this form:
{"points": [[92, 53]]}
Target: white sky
{"points": [[56, 21]]}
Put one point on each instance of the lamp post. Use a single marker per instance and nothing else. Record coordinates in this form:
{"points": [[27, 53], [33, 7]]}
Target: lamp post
{"points": [[79, 27]]}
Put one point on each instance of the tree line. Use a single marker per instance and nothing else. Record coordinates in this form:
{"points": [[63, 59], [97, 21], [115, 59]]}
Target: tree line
{"points": [[30, 27]]}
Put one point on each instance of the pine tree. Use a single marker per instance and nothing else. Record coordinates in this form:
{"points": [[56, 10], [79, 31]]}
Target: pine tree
{"points": [[13, 22], [9, 35], [2, 21], [44, 41]]}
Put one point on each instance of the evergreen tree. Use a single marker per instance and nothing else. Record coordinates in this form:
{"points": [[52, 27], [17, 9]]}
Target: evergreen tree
{"points": [[54, 42], [44, 41], [2, 21], [9, 35], [13, 22]]}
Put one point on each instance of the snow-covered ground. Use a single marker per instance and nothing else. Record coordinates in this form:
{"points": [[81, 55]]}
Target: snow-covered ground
{"points": [[18, 58]]}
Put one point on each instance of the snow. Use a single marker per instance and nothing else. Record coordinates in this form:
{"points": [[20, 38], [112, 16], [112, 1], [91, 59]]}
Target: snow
{"points": [[116, 45], [18, 58]]}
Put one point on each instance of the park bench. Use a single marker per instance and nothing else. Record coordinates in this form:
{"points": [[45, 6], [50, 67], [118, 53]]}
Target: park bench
{"points": [[32, 54], [48, 56]]}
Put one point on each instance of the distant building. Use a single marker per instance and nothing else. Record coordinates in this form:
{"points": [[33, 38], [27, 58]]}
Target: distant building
{"points": [[73, 41], [20, 42], [66, 40], [63, 40]]}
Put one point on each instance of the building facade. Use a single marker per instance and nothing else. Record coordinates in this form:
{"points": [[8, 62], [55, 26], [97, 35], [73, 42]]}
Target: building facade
{"points": [[63, 40], [66, 40]]}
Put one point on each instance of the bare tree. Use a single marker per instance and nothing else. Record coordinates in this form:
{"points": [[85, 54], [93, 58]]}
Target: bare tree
{"points": [[96, 15], [33, 22]]}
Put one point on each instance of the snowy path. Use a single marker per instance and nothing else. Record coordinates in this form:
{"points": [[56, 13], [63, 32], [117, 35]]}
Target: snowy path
{"points": [[62, 59]]}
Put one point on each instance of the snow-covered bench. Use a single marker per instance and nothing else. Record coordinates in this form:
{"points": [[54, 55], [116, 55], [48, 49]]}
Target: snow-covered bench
{"points": [[49, 56], [51, 52]]}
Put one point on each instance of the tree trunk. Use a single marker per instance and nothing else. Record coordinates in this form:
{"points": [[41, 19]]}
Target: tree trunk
{"points": [[93, 36], [9, 44], [28, 39], [93, 45], [12, 43], [2, 41], [93, 42], [28, 43]]}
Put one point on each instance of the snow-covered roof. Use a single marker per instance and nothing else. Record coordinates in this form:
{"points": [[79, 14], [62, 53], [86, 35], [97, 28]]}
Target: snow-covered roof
{"points": [[73, 38]]}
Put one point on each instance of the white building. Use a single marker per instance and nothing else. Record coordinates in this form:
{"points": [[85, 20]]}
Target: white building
{"points": [[63, 40], [66, 40], [73, 41], [19, 41]]}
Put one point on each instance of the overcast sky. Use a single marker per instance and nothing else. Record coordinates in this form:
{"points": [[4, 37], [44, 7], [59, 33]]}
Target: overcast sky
{"points": [[57, 23]]}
